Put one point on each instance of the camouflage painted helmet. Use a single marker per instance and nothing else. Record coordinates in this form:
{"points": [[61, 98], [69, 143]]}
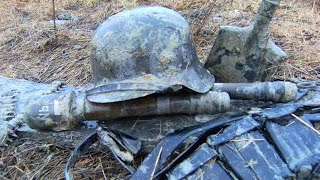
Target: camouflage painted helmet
{"points": [[142, 51]]}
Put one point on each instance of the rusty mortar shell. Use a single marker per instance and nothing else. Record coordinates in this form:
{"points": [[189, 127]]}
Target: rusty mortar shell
{"points": [[55, 111], [64, 110], [208, 103], [279, 92]]}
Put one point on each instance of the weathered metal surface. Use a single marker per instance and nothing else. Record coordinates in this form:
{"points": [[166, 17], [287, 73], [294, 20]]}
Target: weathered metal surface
{"points": [[259, 160], [236, 162], [208, 103], [122, 146], [142, 47], [58, 107], [64, 110], [202, 155], [68, 96], [236, 129], [13, 97], [211, 170], [311, 117], [272, 147], [78, 152], [56, 111], [154, 128], [246, 54], [265, 91], [298, 145], [171, 142], [279, 111]]}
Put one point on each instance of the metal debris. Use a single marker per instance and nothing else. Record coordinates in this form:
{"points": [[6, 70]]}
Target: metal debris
{"points": [[234, 130], [202, 155], [247, 148], [122, 146]]}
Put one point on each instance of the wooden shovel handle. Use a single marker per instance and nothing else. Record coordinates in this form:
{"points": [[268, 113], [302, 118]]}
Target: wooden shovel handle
{"points": [[262, 20], [268, 8]]}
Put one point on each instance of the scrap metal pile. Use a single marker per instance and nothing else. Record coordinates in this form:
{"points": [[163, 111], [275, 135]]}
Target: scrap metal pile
{"points": [[144, 64]]}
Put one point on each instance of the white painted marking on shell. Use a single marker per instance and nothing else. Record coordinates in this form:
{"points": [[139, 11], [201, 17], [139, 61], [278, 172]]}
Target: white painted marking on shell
{"points": [[56, 108]]}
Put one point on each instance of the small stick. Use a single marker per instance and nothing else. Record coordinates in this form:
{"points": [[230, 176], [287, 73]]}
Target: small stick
{"points": [[303, 122], [155, 166], [104, 174], [54, 15]]}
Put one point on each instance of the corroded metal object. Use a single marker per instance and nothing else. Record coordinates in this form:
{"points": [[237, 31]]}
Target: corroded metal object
{"points": [[244, 147], [142, 51], [14, 94], [64, 110], [58, 107], [246, 54], [264, 91]]}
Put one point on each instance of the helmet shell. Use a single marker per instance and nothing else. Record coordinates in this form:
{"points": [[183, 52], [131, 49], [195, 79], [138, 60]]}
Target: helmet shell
{"points": [[142, 51]]}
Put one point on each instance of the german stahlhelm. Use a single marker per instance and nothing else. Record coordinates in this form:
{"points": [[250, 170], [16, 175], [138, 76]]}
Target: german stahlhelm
{"points": [[143, 51]]}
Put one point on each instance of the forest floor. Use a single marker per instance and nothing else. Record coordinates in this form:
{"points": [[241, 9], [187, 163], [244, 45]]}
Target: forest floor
{"points": [[30, 48]]}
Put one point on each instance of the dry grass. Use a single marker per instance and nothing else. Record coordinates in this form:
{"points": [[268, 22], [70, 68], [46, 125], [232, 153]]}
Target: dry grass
{"points": [[27, 159], [315, 4], [31, 49]]}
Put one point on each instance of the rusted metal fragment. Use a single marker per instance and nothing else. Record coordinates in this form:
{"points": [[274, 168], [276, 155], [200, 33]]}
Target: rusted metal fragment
{"points": [[124, 91], [256, 154], [298, 145], [171, 142], [122, 146], [266, 91], [77, 153], [235, 161], [202, 155], [279, 112], [211, 170], [235, 129]]}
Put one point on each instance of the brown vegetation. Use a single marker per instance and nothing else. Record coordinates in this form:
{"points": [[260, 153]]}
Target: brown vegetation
{"points": [[31, 49]]}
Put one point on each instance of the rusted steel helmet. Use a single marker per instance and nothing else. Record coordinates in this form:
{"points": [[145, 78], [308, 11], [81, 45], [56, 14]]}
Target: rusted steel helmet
{"points": [[142, 51]]}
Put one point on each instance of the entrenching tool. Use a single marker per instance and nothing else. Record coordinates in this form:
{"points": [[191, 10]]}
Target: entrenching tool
{"points": [[246, 54]]}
